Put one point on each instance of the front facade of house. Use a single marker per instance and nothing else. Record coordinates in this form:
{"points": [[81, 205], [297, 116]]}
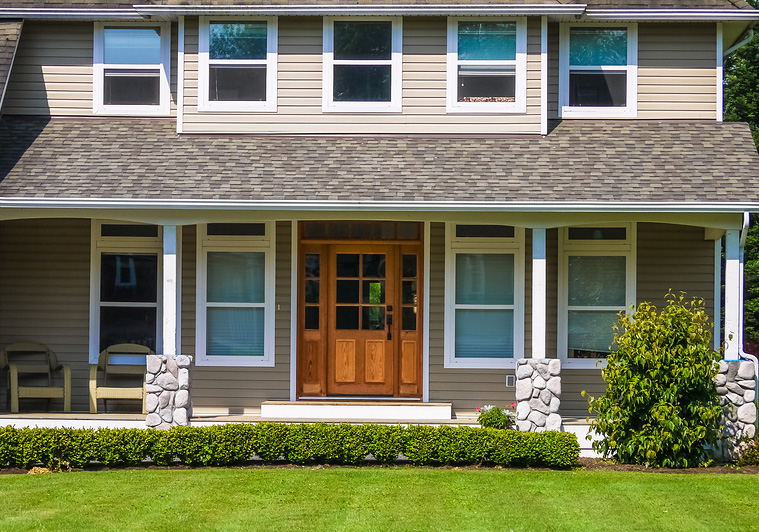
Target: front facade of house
{"points": [[366, 203]]}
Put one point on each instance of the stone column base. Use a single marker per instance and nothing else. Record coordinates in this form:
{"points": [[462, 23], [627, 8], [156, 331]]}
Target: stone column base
{"points": [[168, 390], [538, 394], [737, 395]]}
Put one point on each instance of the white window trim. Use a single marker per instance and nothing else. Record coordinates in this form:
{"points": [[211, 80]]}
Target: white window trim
{"points": [[631, 109], [110, 244], [454, 245], [520, 63], [98, 69], [265, 244], [584, 248], [395, 62], [204, 63]]}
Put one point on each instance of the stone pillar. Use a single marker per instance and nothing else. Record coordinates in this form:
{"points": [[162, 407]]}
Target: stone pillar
{"points": [[538, 394], [168, 390], [737, 395]]}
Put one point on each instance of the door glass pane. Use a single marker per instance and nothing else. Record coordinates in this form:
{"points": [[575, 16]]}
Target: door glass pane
{"points": [[363, 40], [237, 40], [488, 41], [591, 330], [132, 46], [409, 293], [362, 83], [409, 265], [347, 265], [235, 332], [484, 279], [597, 281], [373, 292], [597, 89], [312, 291], [409, 319], [237, 83], [128, 278], [484, 333], [373, 318], [312, 318], [236, 277], [347, 291], [346, 318], [374, 265], [598, 46], [127, 325], [312, 265]]}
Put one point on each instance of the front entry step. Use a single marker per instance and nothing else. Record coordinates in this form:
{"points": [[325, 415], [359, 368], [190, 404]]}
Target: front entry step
{"points": [[368, 411]]}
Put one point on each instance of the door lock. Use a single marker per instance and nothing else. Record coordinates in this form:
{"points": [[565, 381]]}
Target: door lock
{"points": [[389, 319]]}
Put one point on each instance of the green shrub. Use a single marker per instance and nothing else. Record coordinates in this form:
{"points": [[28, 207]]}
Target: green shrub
{"points": [[750, 453], [661, 406], [221, 445], [495, 418]]}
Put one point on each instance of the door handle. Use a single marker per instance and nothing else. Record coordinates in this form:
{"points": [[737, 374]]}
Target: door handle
{"points": [[389, 319]]}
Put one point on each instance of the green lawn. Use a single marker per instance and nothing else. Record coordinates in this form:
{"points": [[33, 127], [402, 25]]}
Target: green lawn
{"points": [[393, 499]]}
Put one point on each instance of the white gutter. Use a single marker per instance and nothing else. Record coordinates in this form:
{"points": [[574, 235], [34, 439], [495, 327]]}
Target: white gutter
{"points": [[387, 9], [747, 39], [339, 205], [70, 14], [672, 14], [741, 353]]}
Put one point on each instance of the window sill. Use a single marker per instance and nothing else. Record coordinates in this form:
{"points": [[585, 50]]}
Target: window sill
{"points": [[599, 112], [361, 107], [486, 108], [583, 363], [230, 107], [236, 361], [132, 110], [480, 363]]}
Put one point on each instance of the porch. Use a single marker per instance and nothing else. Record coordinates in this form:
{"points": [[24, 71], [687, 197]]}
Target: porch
{"points": [[48, 295]]}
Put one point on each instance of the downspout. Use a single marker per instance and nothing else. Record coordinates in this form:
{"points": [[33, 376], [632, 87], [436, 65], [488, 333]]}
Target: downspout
{"points": [[741, 353], [747, 39]]}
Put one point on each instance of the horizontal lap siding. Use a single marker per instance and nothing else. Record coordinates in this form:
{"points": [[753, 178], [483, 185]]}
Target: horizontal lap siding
{"points": [[44, 297], [300, 88], [235, 390], [669, 257], [465, 388], [52, 72], [677, 71]]}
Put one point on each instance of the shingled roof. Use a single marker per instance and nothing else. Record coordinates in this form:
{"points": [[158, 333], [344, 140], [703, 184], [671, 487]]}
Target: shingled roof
{"points": [[606, 4], [10, 31], [589, 161]]}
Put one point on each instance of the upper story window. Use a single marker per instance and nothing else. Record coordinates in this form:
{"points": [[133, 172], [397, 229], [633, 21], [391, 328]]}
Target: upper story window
{"points": [[362, 64], [484, 296], [599, 70], [131, 65], [238, 64], [487, 64]]}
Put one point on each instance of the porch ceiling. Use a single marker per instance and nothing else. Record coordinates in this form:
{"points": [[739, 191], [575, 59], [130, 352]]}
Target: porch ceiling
{"points": [[599, 162]]}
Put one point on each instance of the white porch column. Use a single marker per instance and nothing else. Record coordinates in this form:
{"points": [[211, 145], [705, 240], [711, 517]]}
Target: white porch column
{"points": [[538, 293], [732, 295], [171, 278]]}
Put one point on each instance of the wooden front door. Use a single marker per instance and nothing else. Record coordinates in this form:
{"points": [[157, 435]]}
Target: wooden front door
{"points": [[359, 319]]}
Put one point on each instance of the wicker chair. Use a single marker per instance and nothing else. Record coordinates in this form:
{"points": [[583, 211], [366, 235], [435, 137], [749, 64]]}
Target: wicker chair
{"points": [[108, 368], [30, 359]]}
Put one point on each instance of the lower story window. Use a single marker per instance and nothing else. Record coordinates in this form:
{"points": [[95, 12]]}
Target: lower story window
{"points": [[235, 298]]}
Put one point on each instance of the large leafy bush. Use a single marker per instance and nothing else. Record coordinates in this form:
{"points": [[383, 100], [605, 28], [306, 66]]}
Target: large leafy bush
{"points": [[661, 406]]}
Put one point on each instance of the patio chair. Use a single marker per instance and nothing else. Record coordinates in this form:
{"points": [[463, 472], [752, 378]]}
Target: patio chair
{"points": [[29, 361], [118, 360]]}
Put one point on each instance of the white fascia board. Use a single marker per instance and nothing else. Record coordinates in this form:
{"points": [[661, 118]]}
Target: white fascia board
{"points": [[389, 9], [672, 14], [379, 206], [70, 14]]}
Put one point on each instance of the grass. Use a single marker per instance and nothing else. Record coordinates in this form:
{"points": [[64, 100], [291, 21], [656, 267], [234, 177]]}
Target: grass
{"points": [[392, 499]]}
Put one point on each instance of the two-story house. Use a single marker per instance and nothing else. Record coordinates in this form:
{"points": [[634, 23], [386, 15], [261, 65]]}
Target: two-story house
{"points": [[330, 201]]}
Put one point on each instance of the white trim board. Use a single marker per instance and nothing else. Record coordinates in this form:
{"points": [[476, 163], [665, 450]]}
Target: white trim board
{"points": [[360, 411]]}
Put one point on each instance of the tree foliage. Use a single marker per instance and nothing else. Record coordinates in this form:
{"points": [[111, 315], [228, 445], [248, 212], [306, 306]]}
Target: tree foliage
{"points": [[661, 406]]}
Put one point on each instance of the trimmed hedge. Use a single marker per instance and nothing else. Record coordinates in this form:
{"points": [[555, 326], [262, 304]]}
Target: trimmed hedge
{"points": [[222, 445]]}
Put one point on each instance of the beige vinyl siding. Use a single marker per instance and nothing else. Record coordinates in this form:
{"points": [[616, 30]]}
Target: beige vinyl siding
{"points": [[237, 390], [52, 73], [677, 74], [44, 297], [668, 257], [300, 88], [553, 71], [464, 388]]}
